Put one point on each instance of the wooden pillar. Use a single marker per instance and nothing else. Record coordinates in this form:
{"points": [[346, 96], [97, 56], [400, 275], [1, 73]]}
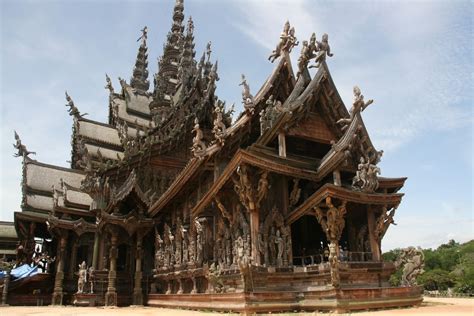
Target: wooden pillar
{"points": [[374, 245], [254, 227], [137, 290], [73, 257], [95, 253], [281, 144], [111, 295], [58, 280]]}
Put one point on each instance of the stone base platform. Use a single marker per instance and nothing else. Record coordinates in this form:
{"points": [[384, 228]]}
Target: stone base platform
{"points": [[85, 299], [338, 300]]}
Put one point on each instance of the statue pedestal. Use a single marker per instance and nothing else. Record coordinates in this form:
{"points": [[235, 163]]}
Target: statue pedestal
{"points": [[84, 299]]}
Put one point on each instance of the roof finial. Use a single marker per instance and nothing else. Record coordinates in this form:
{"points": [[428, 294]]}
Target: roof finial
{"points": [[139, 80], [73, 110], [22, 151], [208, 51], [144, 36]]}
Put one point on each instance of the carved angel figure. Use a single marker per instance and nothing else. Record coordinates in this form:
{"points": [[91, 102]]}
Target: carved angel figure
{"points": [[22, 151]]}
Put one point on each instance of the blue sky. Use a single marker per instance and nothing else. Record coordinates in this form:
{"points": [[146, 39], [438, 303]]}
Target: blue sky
{"points": [[415, 58]]}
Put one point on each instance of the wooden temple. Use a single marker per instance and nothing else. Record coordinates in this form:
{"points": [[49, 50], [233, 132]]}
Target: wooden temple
{"points": [[175, 203]]}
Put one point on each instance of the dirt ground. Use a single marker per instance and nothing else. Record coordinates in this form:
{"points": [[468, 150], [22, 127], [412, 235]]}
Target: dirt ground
{"points": [[430, 306]]}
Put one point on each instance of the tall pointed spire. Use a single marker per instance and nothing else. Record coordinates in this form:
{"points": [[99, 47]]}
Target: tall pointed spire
{"points": [[167, 76], [187, 63], [139, 80]]}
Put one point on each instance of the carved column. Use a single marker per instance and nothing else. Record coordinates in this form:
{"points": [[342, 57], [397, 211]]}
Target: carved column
{"points": [[374, 245], [332, 221], [58, 280], [137, 290], [95, 254], [111, 295]]}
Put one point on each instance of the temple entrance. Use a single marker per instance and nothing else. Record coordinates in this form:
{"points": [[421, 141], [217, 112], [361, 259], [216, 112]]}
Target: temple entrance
{"points": [[310, 245]]}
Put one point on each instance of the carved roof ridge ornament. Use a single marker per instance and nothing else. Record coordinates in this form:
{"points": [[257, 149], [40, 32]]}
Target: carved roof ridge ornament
{"points": [[21, 148], [358, 106], [73, 110], [108, 84], [287, 41], [322, 48], [199, 147], [247, 98], [219, 129]]}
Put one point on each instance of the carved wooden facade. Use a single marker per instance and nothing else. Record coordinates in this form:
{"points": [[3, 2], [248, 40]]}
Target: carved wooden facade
{"points": [[172, 198]]}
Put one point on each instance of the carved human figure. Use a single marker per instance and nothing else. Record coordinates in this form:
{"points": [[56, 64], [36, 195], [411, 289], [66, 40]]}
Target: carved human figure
{"points": [[262, 187], [272, 245], [82, 277], [280, 246], [333, 262], [199, 242], [91, 274]]}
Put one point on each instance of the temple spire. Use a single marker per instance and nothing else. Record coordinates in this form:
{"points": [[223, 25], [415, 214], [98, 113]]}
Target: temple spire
{"points": [[167, 76], [139, 80]]}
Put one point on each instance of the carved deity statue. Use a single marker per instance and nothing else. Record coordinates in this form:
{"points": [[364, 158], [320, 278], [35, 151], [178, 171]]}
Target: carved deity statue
{"points": [[286, 43], [82, 277], [413, 261]]}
